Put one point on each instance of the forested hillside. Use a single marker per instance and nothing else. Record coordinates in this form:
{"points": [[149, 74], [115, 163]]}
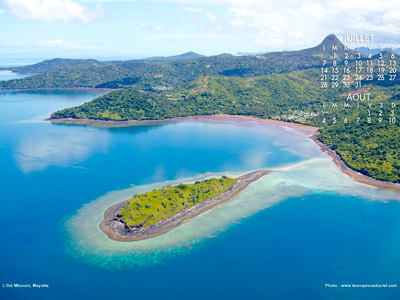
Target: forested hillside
{"points": [[371, 148], [159, 75], [271, 96], [55, 64], [368, 141], [281, 85]]}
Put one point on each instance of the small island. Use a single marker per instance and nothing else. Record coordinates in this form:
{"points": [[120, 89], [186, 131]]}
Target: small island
{"points": [[154, 213]]}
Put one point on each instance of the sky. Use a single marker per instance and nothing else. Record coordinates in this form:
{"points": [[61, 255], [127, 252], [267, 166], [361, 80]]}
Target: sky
{"points": [[130, 29]]}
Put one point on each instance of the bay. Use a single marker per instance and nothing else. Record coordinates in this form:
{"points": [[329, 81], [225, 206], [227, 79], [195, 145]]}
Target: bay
{"points": [[7, 75], [285, 237]]}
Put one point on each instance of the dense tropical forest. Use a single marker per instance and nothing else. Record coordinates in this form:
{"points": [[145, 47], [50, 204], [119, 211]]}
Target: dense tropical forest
{"points": [[153, 207], [281, 85], [366, 137], [271, 96]]}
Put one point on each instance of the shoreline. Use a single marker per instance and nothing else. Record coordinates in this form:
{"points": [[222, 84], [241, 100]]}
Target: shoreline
{"points": [[216, 118], [118, 231], [12, 72], [309, 130], [62, 89], [361, 178]]}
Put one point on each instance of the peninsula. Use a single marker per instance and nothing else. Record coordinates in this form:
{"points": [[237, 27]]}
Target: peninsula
{"points": [[154, 213]]}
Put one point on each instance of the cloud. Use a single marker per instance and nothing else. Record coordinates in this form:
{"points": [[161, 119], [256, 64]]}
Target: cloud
{"points": [[271, 38], [51, 10], [64, 45], [193, 9], [293, 24], [212, 17], [155, 28], [187, 36], [107, 1], [392, 16]]}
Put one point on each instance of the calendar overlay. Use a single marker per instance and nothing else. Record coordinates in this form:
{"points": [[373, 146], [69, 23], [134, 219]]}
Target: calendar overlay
{"points": [[364, 86]]}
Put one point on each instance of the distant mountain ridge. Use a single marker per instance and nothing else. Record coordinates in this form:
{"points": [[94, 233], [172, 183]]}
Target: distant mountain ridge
{"points": [[375, 51], [187, 55], [161, 73], [54, 64], [249, 53]]}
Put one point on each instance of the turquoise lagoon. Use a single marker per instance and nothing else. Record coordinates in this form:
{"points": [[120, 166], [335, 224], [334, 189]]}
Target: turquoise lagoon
{"points": [[285, 237]]}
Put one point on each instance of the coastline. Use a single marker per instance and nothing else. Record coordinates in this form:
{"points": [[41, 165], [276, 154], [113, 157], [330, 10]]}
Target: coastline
{"points": [[361, 178], [62, 89], [215, 118], [12, 72], [308, 130], [118, 231]]}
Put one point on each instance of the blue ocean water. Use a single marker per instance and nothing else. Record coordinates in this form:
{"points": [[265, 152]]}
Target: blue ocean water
{"points": [[6, 75], [50, 173], [18, 60]]}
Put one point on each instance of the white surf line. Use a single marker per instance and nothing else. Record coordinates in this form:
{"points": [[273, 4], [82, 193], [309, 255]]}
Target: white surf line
{"points": [[37, 119], [292, 166]]}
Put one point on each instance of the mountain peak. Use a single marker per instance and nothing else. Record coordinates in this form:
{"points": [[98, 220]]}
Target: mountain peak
{"points": [[191, 53], [331, 40]]}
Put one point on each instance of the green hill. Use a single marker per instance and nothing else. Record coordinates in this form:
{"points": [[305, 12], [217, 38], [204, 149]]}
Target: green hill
{"points": [[52, 65], [371, 149], [163, 75], [280, 96], [153, 207]]}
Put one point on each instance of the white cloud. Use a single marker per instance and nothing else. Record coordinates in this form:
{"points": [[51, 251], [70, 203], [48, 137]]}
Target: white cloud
{"points": [[51, 10], [107, 1], [187, 36], [193, 9], [314, 10], [305, 22], [212, 17], [392, 16], [155, 28], [64, 45], [270, 38], [158, 28]]}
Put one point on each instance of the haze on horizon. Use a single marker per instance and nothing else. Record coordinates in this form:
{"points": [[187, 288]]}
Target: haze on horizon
{"points": [[125, 29]]}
